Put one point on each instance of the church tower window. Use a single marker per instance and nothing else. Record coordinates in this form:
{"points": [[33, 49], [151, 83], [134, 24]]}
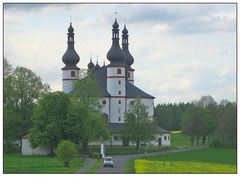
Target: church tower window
{"points": [[119, 71], [128, 74], [119, 92], [119, 119], [73, 74], [119, 82], [119, 101]]}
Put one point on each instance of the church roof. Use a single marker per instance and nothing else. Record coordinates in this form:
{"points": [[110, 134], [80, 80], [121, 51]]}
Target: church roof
{"points": [[117, 128], [131, 90]]}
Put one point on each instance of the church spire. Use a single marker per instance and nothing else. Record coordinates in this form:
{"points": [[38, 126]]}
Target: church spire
{"points": [[115, 54], [70, 57], [128, 58]]}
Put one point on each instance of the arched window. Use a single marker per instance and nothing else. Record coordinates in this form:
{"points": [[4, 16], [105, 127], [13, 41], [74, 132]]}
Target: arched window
{"points": [[119, 119], [73, 74], [119, 82], [119, 71], [119, 101], [119, 92]]}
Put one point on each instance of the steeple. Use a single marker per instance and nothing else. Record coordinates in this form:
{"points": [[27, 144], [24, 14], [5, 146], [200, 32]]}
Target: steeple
{"points": [[115, 54], [70, 57], [97, 66], [90, 64], [128, 58]]}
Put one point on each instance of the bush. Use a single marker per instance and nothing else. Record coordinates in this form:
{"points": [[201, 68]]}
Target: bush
{"points": [[65, 151], [11, 147], [94, 155]]}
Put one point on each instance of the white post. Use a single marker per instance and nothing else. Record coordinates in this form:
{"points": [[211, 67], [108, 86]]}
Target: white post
{"points": [[102, 150]]}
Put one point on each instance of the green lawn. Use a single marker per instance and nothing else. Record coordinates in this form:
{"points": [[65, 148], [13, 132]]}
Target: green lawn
{"points": [[16, 163], [112, 150], [210, 160], [179, 139]]}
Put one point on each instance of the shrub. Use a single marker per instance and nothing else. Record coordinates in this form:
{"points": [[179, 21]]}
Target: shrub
{"points": [[65, 151]]}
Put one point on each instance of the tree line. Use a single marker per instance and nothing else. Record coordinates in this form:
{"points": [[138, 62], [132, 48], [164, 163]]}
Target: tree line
{"points": [[203, 119]]}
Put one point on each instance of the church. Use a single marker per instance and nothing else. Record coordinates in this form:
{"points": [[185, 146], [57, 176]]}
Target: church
{"points": [[118, 90], [116, 81]]}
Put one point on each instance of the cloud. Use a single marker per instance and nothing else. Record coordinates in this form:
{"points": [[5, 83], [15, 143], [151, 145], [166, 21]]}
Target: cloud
{"points": [[169, 64]]}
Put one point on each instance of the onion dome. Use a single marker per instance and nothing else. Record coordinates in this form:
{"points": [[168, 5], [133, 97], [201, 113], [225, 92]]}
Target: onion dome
{"points": [[90, 64], [128, 58], [70, 57], [125, 31], [97, 66], [115, 54]]}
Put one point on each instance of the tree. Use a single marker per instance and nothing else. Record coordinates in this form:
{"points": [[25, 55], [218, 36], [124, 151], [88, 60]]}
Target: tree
{"points": [[65, 151], [85, 125], [22, 88], [49, 119], [7, 68], [87, 91], [226, 133], [138, 128]]}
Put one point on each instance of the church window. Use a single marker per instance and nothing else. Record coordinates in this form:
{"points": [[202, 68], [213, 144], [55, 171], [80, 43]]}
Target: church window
{"points": [[128, 74], [119, 82], [119, 71], [131, 102], [119, 101], [119, 119], [119, 92], [104, 102], [72, 73], [165, 137], [118, 110]]}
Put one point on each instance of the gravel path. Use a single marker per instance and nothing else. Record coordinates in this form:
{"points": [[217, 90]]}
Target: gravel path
{"points": [[121, 160]]}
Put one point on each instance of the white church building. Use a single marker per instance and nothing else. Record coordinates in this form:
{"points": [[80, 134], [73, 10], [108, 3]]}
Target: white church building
{"points": [[118, 90]]}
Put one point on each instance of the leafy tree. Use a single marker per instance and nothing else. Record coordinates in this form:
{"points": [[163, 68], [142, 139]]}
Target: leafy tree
{"points": [[138, 128], [87, 91], [49, 119], [65, 151], [7, 68], [226, 133], [22, 88], [85, 125]]}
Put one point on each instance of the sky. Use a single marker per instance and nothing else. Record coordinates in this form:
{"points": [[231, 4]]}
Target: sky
{"points": [[181, 51]]}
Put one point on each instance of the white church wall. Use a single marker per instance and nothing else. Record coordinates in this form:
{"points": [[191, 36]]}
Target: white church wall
{"points": [[117, 110], [149, 103], [67, 82]]}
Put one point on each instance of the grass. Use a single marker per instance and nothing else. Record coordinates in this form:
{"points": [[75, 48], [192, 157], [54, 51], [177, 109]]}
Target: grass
{"points": [[179, 139], [129, 167], [95, 167], [16, 163], [119, 150], [210, 160]]}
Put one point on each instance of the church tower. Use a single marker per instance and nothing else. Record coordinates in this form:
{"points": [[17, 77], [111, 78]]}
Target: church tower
{"points": [[70, 71], [116, 78], [128, 58]]}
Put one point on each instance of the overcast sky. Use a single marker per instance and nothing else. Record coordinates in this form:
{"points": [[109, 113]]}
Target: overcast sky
{"points": [[181, 51]]}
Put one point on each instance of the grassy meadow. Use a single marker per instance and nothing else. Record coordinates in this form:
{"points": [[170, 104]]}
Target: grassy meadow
{"points": [[16, 163], [209, 160]]}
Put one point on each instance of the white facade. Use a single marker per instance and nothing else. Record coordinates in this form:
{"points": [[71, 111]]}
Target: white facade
{"points": [[68, 76], [28, 150]]}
